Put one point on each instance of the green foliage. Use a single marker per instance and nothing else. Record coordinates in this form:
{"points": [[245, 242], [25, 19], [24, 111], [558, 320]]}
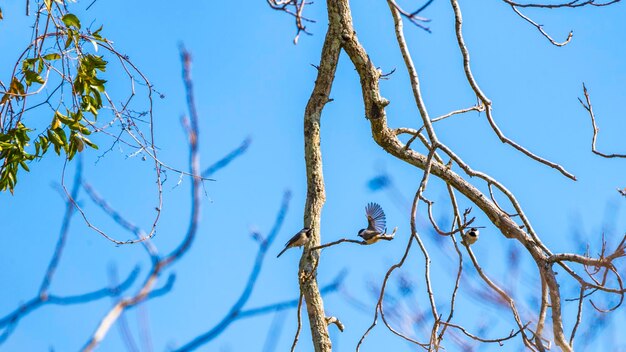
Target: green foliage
{"points": [[67, 57], [71, 20], [13, 155], [87, 84], [13, 144]]}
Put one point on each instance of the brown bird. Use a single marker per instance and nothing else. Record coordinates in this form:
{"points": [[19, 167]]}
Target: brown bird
{"points": [[297, 240]]}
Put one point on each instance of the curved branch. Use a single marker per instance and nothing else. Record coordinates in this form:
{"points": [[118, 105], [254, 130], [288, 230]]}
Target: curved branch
{"points": [[589, 109], [570, 4], [236, 309], [540, 29], [477, 338], [472, 81]]}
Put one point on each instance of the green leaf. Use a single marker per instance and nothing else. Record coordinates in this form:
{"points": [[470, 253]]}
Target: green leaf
{"points": [[66, 120], [32, 76], [68, 42], [84, 130], [88, 142], [12, 182], [40, 65], [96, 34], [24, 166], [56, 123], [61, 133], [28, 64], [54, 138], [17, 88], [53, 56], [71, 20]]}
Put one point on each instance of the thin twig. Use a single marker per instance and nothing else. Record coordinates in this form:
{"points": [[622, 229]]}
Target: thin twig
{"points": [[237, 307], [383, 236], [299, 313], [498, 340], [589, 109], [540, 29]]}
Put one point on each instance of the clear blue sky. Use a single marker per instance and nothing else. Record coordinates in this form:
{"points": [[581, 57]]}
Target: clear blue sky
{"points": [[250, 80]]}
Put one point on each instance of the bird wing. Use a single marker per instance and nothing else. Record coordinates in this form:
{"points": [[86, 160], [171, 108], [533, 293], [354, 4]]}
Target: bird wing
{"points": [[293, 239], [375, 217], [299, 236]]}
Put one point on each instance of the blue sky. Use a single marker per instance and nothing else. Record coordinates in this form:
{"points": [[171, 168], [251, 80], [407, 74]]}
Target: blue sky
{"points": [[250, 80]]}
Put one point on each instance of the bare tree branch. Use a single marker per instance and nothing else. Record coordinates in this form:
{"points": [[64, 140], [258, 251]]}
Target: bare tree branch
{"points": [[299, 313], [589, 109], [570, 4], [294, 8], [540, 29], [147, 289], [122, 324], [236, 309], [486, 102], [226, 160], [383, 236]]}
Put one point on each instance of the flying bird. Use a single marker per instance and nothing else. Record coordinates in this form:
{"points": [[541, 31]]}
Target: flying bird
{"points": [[376, 223], [297, 240]]}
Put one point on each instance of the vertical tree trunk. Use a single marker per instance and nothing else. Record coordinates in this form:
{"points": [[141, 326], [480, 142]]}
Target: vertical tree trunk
{"points": [[316, 195]]}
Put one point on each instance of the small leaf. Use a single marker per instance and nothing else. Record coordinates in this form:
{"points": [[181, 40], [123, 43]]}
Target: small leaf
{"points": [[88, 142], [96, 34], [70, 38], [61, 133], [66, 120], [16, 87], [56, 123], [84, 130], [40, 65], [71, 20], [54, 138], [24, 166], [32, 76], [53, 56]]}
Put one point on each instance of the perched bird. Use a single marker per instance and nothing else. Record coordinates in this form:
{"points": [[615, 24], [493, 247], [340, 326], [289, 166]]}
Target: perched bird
{"points": [[471, 236], [375, 223], [297, 240]]}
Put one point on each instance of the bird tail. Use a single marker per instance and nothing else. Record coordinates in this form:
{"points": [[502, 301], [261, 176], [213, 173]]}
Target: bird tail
{"points": [[281, 252]]}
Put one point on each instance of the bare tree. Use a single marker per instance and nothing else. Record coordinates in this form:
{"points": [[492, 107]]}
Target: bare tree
{"points": [[61, 50], [437, 159]]}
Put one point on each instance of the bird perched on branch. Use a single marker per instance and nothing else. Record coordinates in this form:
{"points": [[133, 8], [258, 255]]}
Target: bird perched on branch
{"points": [[471, 236], [297, 240], [376, 222]]}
